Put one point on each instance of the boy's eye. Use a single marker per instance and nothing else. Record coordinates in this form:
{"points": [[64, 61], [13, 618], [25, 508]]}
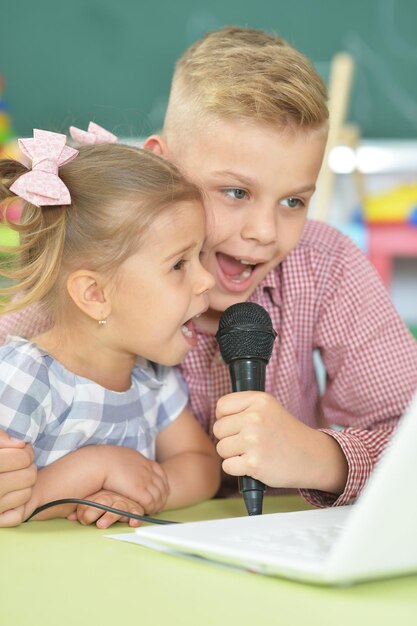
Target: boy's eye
{"points": [[236, 193], [292, 203]]}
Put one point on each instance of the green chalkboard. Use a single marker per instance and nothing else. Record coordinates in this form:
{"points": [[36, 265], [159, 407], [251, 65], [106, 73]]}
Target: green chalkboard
{"points": [[111, 60]]}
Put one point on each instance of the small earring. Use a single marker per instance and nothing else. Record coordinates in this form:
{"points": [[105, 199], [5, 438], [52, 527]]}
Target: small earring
{"points": [[102, 322]]}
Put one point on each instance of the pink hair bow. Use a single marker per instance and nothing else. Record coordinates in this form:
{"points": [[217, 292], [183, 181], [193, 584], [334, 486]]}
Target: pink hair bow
{"points": [[95, 134], [42, 186]]}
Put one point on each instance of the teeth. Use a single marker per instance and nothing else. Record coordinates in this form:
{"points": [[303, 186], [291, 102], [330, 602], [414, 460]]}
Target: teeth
{"points": [[198, 315], [187, 332], [243, 276], [246, 262]]}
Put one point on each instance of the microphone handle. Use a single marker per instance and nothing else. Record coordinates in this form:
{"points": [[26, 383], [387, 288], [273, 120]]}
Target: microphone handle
{"points": [[249, 375]]}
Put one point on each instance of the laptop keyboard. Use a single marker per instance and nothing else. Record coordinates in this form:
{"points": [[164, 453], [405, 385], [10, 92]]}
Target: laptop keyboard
{"points": [[306, 543]]}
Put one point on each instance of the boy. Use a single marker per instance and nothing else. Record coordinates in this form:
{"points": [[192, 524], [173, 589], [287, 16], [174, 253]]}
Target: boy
{"points": [[247, 121]]}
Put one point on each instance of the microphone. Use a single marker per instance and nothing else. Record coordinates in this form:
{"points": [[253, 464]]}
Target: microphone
{"points": [[245, 338]]}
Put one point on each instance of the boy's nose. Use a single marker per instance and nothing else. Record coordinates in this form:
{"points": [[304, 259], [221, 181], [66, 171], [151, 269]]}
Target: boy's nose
{"points": [[260, 224]]}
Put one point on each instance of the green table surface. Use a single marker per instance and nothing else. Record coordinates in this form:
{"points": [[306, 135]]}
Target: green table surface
{"points": [[61, 573]]}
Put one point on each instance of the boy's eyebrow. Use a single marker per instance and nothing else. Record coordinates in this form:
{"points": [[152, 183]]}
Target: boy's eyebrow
{"points": [[305, 188], [246, 180]]}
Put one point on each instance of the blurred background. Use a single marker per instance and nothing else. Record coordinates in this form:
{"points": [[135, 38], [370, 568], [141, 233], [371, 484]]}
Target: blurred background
{"points": [[67, 62], [112, 61]]}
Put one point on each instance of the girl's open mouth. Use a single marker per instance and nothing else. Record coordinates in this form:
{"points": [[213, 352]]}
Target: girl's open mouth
{"points": [[190, 335]]}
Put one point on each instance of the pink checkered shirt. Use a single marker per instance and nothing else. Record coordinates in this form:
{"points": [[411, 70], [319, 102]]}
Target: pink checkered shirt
{"points": [[324, 296]]}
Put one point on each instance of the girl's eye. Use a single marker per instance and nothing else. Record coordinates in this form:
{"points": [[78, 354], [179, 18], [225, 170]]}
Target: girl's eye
{"points": [[292, 203], [179, 265], [236, 193]]}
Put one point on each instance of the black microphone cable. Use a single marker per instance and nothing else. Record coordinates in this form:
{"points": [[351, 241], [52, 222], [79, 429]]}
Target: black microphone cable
{"points": [[103, 507]]}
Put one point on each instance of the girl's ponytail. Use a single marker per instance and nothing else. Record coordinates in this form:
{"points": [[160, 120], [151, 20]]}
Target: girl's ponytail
{"points": [[34, 264]]}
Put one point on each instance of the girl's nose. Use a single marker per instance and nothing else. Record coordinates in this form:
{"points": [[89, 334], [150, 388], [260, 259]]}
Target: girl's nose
{"points": [[205, 280]]}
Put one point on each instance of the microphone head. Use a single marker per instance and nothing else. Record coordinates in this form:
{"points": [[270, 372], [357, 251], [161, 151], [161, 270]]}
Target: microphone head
{"points": [[245, 332]]}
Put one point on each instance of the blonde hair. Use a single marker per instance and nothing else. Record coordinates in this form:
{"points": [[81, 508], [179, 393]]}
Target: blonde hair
{"points": [[243, 73], [116, 192]]}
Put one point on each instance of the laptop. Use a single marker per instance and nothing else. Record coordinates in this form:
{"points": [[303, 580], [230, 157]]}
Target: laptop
{"points": [[374, 538]]}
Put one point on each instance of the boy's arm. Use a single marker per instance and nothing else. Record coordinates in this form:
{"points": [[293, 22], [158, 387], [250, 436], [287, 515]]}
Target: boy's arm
{"points": [[28, 322], [190, 461], [361, 449], [371, 363], [17, 477]]}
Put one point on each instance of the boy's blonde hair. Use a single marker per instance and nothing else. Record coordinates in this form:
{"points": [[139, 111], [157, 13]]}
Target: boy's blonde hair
{"points": [[116, 193], [245, 74]]}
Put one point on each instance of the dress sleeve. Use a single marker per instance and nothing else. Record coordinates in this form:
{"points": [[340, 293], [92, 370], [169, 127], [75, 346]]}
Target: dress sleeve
{"points": [[24, 395], [27, 323], [370, 359], [173, 396]]}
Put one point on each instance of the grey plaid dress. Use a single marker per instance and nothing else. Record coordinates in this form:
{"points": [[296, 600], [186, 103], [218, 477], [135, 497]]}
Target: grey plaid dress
{"points": [[57, 411]]}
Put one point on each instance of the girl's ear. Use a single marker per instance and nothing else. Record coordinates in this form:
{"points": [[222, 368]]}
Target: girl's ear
{"points": [[87, 291], [157, 145]]}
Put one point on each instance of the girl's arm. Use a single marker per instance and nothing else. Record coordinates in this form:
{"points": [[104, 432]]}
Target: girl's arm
{"points": [[188, 469], [90, 469], [190, 461]]}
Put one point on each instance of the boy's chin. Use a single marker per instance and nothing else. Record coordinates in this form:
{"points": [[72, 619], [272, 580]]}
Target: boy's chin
{"points": [[220, 301]]}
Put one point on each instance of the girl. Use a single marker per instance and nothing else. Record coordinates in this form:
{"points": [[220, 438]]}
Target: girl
{"points": [[110, 240]]}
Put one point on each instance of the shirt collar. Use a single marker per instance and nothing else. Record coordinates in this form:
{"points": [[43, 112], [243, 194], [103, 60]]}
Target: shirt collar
{"points": [[270, 284]]}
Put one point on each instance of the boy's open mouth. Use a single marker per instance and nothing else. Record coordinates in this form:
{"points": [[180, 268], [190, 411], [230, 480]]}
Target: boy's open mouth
{"points": [[238, 271]]}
